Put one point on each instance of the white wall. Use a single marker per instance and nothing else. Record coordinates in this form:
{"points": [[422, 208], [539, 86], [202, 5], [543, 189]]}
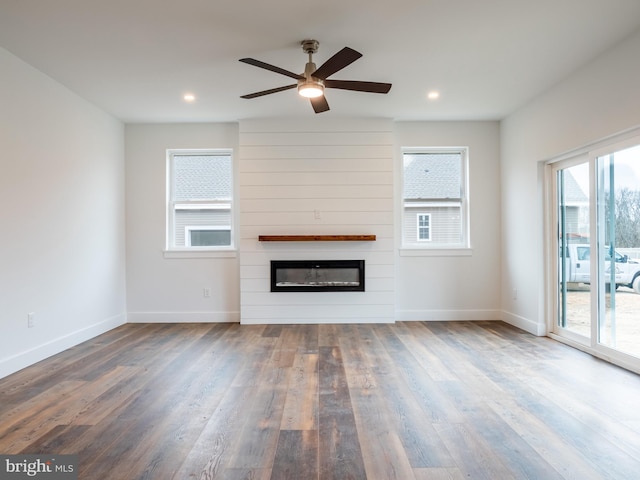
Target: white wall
{"points": [[343, 170], [450, 286], [288, 169], [163, 289], [599, 100], [62, 214]]}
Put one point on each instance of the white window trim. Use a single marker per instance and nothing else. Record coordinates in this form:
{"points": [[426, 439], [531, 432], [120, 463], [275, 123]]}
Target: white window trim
{"points": [[418, 238], [202, 205], [171, 251], [419, 251], [201, 252], [428, 249]]}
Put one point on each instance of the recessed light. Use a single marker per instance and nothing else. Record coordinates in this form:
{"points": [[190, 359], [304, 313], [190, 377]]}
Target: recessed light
{"points": [[433, 95], [189, 97]]}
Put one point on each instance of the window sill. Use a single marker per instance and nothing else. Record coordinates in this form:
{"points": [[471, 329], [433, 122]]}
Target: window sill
{"points": [[436, 252], [230, 253]]}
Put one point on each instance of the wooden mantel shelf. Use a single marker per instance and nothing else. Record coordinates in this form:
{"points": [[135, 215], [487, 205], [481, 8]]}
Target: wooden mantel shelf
{"points": [[316, 238]]}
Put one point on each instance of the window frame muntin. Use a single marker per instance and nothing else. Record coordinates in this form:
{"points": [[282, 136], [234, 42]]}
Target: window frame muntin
{"points": [[419, 227]]}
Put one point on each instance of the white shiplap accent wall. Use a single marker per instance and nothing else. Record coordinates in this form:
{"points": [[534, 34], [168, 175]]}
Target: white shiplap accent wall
{"points": [[316, 176]]}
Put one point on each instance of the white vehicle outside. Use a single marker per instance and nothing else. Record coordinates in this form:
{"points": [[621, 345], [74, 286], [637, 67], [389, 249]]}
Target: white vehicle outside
{"points": [[578, 268]]}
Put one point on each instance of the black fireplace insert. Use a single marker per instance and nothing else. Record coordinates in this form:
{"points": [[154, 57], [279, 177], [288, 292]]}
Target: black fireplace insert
{"points": [[317, 275]]}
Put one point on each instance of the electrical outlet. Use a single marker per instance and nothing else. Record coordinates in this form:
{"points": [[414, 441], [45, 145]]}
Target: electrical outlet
{"points": [[316, 214], [206, 292], [514, 293], [31, 320]]}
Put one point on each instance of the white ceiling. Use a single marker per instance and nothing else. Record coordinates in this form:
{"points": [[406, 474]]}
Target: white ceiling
{"points": [[136, 58]]}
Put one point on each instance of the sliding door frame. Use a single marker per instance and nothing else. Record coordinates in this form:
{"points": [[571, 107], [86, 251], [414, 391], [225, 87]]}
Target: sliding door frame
{"points": [[588, 154]]}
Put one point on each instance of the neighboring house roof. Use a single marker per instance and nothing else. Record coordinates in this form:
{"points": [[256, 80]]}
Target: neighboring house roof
{"points": [[432, 176], [202, 177], [573, 193]]}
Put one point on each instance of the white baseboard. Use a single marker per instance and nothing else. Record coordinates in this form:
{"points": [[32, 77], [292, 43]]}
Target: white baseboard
{"points": [[183, 317], [316, 321], [525, 324], [34, 355], [446, 315]]}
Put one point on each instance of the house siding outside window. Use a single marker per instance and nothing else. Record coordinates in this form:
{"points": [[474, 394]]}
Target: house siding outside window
{"points": [[435, 199]]}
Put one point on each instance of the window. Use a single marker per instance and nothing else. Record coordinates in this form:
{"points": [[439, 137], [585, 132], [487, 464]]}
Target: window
{"points": [[424, 227], [199, 206], [435, 198], [207, 236]]}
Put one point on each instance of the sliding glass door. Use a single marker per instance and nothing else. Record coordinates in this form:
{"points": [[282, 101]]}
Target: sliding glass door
{"points": [[596, 244], [618, 240], [574, 278]]}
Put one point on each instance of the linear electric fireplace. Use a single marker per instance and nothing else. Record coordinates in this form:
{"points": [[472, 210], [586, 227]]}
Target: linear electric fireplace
{"points": [[317, 275]]}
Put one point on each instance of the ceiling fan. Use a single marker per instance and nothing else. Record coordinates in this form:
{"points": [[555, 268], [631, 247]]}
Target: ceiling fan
{"points": [[313, 81]]}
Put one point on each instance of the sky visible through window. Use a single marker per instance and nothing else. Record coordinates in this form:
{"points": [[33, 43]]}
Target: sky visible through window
{"points": [[627, 168]]}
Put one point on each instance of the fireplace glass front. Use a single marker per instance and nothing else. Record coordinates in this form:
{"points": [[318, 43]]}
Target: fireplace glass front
{"points": [[317, 275]]}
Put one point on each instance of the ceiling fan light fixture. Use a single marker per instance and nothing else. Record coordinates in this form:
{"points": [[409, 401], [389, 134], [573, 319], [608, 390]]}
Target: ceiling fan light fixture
{"points": [[310, 89]]}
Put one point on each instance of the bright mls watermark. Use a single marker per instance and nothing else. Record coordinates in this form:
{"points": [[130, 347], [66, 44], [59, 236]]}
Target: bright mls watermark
{"points": [[49, 467]]}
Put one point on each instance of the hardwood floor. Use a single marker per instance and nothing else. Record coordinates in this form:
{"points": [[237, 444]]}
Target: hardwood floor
{"points": [[414, 400]]}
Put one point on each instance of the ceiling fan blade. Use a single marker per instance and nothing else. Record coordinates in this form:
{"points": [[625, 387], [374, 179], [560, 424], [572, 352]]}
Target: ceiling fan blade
{"points": [[271, 68], [344, 57], [319, 104], [369, 87], [267, 92]]}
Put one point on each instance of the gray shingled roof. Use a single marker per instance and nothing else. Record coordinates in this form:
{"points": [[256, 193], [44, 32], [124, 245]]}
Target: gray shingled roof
{"points": [[573, 193], [202, 177], [432, 176]]}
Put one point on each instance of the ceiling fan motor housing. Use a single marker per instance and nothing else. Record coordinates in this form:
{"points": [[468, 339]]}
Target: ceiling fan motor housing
{"points": [[310, 46]]}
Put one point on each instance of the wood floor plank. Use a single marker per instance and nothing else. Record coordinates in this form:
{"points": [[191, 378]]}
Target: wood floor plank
{"points": [[383, 452], [428, 393], [301, 404], [296, 456], [243, 474], [16, 420], [567, 461], [43, 375], [607, 458], [56, 439], [212, 450], [438, 474], [138, 425], [435, 366], [474, 457], [201, 384], [258, 439], [328, 335], [412, 400], [340, 455], [407, 417], [521, 459]]}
